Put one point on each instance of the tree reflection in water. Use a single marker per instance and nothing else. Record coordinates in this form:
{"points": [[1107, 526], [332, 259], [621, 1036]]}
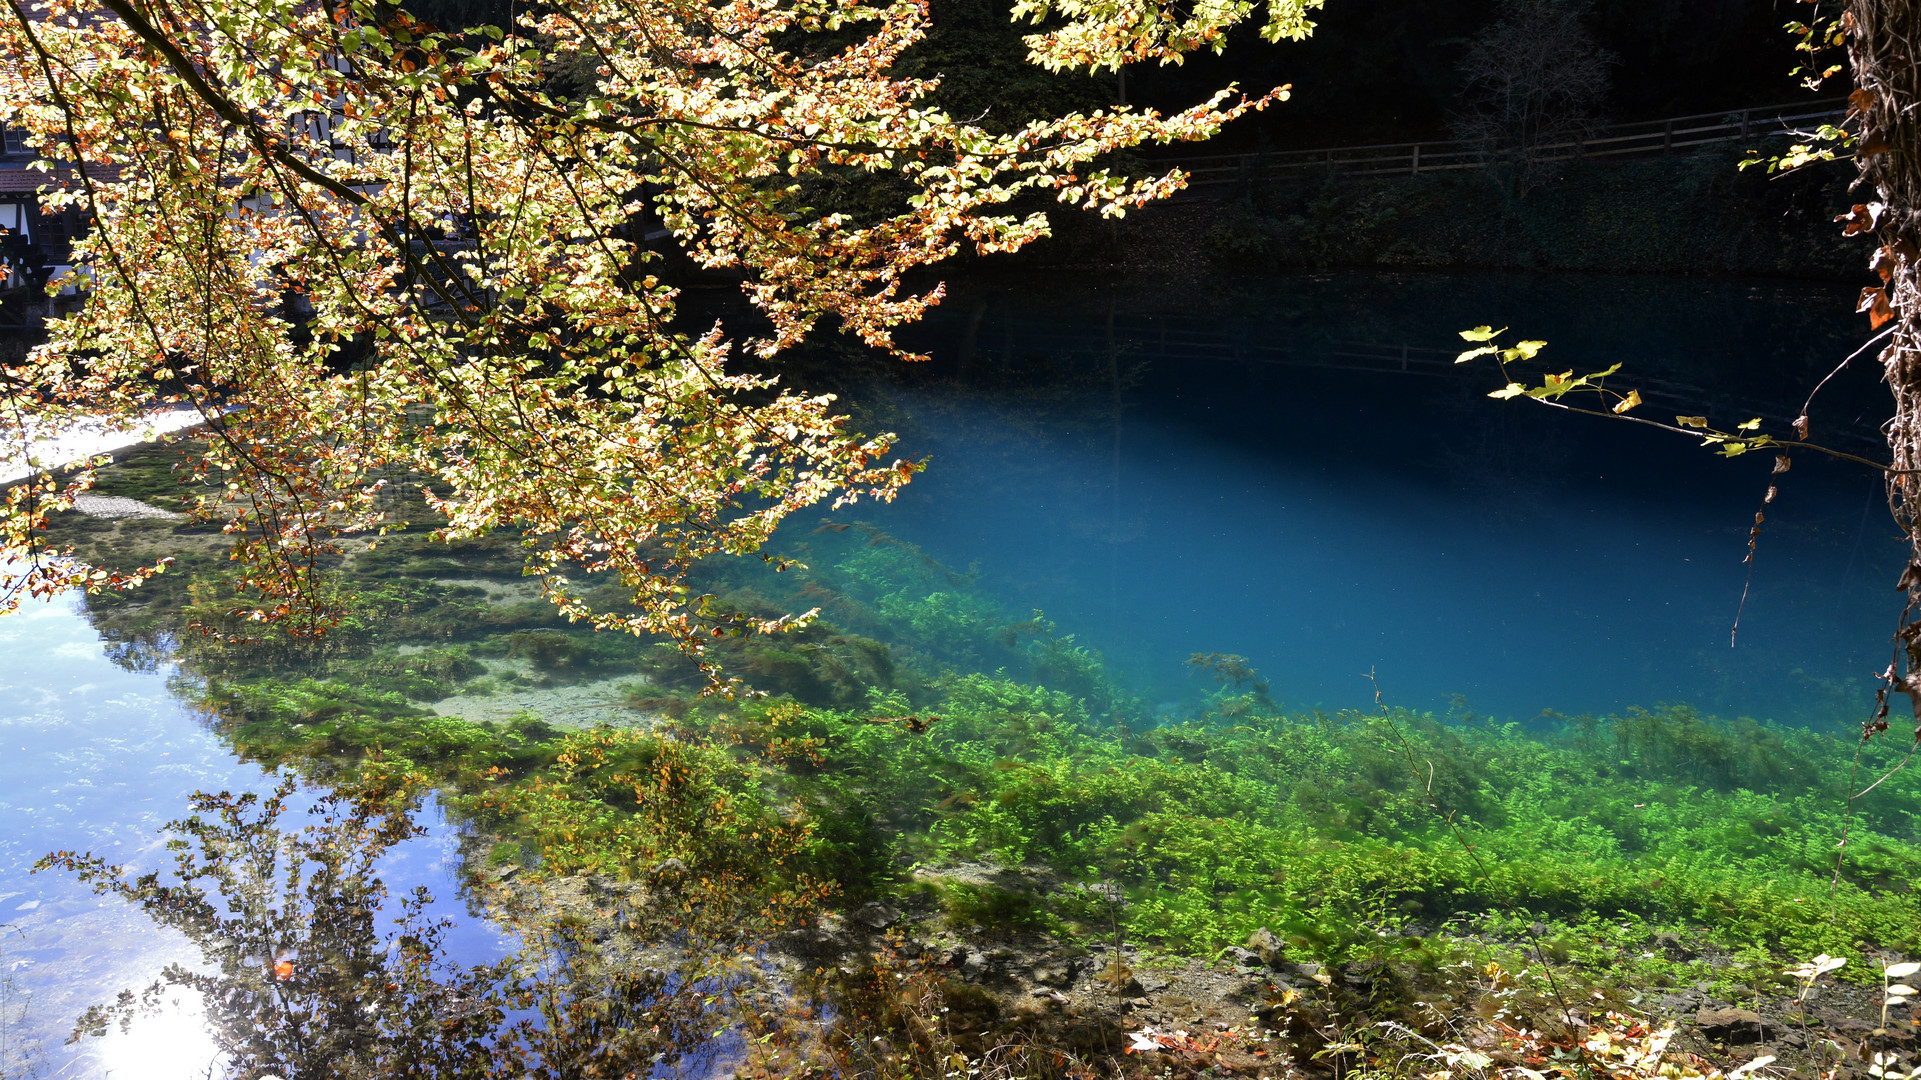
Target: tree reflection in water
{"points": [[299, 981], [19, 1050]]}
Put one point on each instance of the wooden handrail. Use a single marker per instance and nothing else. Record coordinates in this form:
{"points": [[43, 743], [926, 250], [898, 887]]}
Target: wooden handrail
{"points": [[1632, 137]]}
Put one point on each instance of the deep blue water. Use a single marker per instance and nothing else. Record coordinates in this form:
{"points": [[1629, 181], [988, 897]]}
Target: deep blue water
{"points": [[1244, 466]]}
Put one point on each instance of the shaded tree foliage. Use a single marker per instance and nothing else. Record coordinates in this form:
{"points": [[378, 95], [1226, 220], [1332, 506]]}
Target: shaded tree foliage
{"points": [[1534, 81], [1389, 71]]}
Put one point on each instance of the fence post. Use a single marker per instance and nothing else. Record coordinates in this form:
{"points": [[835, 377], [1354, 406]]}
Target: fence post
{"points": [[1416, 170], [1667, 137], [1745, 114]]}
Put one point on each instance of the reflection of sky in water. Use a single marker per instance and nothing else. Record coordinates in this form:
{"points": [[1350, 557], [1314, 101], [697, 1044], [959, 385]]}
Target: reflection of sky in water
{"points": [[86, 440], [96, 758]]}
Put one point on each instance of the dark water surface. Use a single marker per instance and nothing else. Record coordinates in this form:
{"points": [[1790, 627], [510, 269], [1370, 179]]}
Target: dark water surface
{"points": [[1294, 469]]}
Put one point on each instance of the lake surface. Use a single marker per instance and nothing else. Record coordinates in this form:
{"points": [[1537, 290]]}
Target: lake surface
{"points": [[1289, 469], [1295, 470], [95, 757]]}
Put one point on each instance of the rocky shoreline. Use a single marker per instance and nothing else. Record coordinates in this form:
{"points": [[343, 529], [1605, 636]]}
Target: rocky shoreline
{"points": [[1254, 1010]]}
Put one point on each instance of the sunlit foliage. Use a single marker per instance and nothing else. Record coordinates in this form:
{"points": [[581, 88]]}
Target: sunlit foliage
{"points": [[373, 251]]}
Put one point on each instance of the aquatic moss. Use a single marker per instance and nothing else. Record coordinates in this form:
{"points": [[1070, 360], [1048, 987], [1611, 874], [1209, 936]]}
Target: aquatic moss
{"points": [[326, 724], [918, 722], [154, 475], [566, 654], [690, 818], [1303, 824], [428, 675]]}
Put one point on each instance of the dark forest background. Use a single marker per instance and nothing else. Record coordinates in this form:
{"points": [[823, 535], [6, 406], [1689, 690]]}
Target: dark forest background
{"points": [[1374, 71], [1387, 70]]}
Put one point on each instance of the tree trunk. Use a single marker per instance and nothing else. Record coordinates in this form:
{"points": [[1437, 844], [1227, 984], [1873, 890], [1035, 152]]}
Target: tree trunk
{"points": [[1884, 50]]}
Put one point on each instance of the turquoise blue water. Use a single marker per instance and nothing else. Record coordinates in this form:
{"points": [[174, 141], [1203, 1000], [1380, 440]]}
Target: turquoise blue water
{"points": [[1293, 469]]}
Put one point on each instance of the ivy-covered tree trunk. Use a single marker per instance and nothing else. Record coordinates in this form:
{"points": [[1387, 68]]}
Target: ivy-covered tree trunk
{"points": [[1883, 39]]}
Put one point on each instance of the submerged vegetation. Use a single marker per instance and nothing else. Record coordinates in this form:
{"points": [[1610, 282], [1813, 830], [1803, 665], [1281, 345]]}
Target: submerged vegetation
{"points": [[929, 789]]}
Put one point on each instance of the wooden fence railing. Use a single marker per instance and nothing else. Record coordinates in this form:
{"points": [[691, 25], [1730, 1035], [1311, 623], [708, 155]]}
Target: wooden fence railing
{"points": [[1644, 138], [1195, 340]]}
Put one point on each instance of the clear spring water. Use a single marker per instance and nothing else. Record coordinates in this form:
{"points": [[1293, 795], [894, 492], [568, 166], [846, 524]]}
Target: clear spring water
{"points": [[1291, 469], [1294, 469]]}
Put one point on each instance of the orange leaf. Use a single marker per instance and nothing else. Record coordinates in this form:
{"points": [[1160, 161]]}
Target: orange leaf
{"points": [[1874, 301], [1860, 218]]}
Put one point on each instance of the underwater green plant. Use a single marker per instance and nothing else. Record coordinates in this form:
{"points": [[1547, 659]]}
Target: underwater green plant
{"points": [[917, 728]]}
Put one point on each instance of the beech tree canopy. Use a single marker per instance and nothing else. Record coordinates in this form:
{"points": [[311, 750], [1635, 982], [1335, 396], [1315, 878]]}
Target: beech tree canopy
{"points": [[365, 247]]}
